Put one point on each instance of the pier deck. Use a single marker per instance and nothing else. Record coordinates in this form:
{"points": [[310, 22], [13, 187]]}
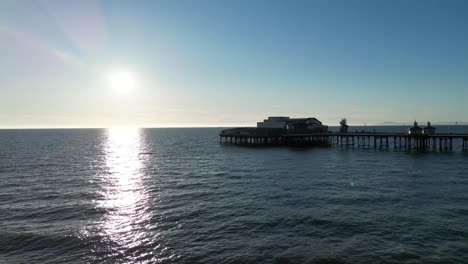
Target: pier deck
{"points": [[434, 142]]}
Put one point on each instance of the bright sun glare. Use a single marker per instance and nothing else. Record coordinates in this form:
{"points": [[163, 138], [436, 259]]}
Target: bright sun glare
{"points": [[122, 81]]}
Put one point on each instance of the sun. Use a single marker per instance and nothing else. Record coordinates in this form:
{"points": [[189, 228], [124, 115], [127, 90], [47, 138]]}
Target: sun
{"points": [[122, 81]]}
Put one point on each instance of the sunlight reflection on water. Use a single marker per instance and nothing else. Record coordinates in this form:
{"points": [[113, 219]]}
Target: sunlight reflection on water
{"points": [[127, 231], [126, 198]]}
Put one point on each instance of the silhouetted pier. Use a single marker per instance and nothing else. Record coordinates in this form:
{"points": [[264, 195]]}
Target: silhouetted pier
{"points": [[271, 137]]}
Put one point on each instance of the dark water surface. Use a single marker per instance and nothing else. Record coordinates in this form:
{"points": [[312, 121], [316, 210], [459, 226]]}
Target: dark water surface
{"points": [[177, 196]]}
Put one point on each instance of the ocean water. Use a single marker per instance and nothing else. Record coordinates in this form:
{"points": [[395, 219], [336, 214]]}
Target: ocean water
{"points": [[178, 196]]}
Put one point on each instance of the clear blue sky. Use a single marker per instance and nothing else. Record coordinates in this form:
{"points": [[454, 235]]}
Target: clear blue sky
{"points": [[215, 63]]}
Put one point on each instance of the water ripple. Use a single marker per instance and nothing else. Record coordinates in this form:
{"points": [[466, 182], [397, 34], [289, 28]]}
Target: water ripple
{"points": [[176, 196]]}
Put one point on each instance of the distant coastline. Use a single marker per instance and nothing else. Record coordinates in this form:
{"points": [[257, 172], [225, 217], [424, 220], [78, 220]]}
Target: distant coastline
{"points": [[450, 123]]}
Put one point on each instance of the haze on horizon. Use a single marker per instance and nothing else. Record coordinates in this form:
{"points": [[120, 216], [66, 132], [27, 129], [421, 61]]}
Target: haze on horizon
{"points": [[223, 63]]}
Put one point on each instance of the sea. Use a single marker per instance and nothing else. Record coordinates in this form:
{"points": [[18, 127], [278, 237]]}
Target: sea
{"points": [[175, 195]]}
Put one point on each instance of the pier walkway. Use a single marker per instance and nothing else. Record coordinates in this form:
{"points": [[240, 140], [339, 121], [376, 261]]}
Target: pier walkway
{"points": [[258, 137]]}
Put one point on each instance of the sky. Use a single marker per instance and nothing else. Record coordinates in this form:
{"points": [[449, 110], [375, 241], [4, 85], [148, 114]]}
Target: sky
{"points": [[230, 63]]}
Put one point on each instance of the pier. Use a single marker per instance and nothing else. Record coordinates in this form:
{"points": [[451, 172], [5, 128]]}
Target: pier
{"points": [[303, 132], [376, 140]]}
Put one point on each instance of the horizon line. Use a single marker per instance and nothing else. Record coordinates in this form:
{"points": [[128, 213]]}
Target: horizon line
{"points": [[209, 126]]}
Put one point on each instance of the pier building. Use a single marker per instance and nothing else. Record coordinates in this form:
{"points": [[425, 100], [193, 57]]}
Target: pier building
{"points": [[415, 130], [293, 125], [429, 130]]}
